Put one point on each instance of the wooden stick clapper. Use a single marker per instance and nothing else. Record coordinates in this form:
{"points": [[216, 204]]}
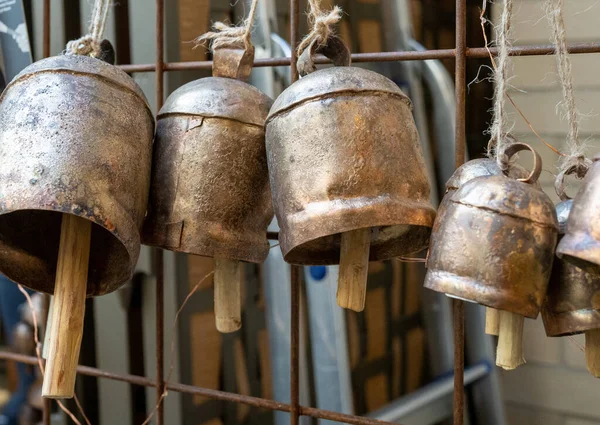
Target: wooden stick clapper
{"points": [[68, 308], [354, 268]]}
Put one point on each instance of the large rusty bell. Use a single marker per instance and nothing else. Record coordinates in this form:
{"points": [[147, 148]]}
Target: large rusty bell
{"points": [[344, 156], [581, 243], [75, 154], [210, 187], [75, 137]]}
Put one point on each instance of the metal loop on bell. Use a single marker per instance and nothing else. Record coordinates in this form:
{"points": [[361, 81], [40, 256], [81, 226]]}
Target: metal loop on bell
{"points": [[515, 148], [580, 170], [233, 63], [334, 49]]}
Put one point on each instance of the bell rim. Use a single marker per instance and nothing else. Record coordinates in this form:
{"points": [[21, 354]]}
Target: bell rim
{"points": [[569, 248], [132, 248], [419, 215], [488, 295], [570, 322], [202, 247]]}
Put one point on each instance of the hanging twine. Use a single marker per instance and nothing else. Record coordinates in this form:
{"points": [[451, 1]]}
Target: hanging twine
{"points": [[89, 44], [224, 35], [321, 24], [574, 160], [500, 139]]}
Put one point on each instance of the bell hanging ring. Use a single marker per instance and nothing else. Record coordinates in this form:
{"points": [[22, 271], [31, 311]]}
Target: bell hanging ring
{"points": [[581, 243], [347, 171], [210, 191], [494, 242], [572, 304], [75, 154]]}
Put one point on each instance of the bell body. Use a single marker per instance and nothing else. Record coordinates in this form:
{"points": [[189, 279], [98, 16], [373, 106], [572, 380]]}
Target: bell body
{"points": [[573, 301], [344, 154], [75, 137], [581, 243], [210, 188], [494, 245]]}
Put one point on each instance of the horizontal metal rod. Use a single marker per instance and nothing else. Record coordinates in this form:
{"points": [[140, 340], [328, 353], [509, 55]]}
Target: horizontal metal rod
{"points": [[209, 393], [472, 52]]}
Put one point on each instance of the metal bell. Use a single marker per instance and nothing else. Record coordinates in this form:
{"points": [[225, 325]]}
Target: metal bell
{"points": [[495, 241], [344, 154], [581, 243], [573, 301], [75, 137], [210, 188]]}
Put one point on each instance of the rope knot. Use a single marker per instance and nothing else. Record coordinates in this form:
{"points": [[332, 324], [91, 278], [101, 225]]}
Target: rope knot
{"points": [[321, 25], [84, 46]]}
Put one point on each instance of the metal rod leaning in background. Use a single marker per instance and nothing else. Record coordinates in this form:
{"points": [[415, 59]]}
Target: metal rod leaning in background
{"points": [[158, 253], [460, 144]]}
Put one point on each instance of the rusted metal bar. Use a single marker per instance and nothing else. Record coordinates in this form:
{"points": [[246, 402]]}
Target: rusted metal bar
{"points": [[208, 393], [47, 404], [295, 346], [460, 84], [471, 53], [46, 29], [294, 270], [158, 253]]}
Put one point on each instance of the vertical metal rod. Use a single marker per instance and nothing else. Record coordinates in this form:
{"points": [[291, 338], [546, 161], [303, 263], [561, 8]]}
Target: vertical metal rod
{"points": [[294, 270], [295, 347], [158, 253], [460, 140], [294, 22], [46, 29], [47, 403]]}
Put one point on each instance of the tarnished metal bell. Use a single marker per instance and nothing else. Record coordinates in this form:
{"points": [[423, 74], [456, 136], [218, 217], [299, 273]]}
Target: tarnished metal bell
{"points": [[573, 301], [344, 154], [210, 189], [581, 243], [75, 137], [495, 241]]}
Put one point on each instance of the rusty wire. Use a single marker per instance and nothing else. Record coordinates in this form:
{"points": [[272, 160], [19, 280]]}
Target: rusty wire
{"points": [[460, 53]]}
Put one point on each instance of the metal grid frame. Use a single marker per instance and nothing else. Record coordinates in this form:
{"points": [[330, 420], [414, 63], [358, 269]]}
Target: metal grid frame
{"points": [[460, 53]]}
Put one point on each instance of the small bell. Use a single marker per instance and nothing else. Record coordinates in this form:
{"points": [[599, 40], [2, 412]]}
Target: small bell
{"points": [[210, 188], [347, 171], [475, 168], [581, 243], [572, 305], [494, 242], [75, 154]]}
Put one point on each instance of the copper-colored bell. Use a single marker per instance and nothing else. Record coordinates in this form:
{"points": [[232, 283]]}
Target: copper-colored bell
{"points": [[75, 154], [210, 187], [573, 301], [75, 137], [494, 243], [344, 155], [581, 243]]}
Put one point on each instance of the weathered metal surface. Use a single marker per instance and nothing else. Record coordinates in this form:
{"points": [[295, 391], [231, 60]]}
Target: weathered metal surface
{"points": [[75, 137], [494, 244], [573, 301], [210, 187], [344, 154], [581, 243]]}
